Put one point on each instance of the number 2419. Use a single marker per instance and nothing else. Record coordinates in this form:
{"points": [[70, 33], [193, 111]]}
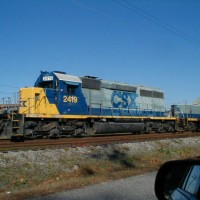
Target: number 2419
{"points": [[70, 99]]}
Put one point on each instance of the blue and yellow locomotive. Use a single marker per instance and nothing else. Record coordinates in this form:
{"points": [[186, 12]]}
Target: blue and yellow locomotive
{"points": [[60, 104]]}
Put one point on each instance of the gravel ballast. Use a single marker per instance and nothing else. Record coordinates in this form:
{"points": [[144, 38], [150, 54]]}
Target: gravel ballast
{"points": [[55, 156]]}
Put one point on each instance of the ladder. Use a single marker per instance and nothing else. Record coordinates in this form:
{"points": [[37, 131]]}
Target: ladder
{"points": [[15, 123]]}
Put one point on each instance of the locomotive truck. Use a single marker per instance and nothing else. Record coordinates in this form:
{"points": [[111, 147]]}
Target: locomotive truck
{"points": [[61, 105]]}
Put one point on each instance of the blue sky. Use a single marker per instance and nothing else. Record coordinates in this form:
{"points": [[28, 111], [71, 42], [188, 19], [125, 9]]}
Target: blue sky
{"points": [[141, 42]]}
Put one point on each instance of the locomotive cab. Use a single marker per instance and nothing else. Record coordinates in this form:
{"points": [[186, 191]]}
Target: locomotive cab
{"points": [[54, 93]]}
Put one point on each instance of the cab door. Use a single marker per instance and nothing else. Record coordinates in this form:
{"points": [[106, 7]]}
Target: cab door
{"points": [[71, 100]]}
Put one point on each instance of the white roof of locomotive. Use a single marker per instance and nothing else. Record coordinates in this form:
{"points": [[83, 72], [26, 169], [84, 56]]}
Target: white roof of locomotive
{"points": [[71, 78], [67, 77]]}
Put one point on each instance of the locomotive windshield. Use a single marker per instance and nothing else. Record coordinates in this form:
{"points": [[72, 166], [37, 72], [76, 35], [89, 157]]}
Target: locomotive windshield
{"points": [[46, 84], [45, 81]]}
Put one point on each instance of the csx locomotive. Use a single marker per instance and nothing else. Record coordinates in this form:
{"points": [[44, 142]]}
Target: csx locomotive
{"points": [[62, 105]]}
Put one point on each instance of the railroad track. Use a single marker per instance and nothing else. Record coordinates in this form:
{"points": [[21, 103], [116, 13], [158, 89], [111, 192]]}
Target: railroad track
{"points": [[6, 145]]}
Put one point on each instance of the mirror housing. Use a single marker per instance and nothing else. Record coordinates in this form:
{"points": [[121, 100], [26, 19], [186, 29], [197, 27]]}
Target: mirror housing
{"points": [[178, 180]]}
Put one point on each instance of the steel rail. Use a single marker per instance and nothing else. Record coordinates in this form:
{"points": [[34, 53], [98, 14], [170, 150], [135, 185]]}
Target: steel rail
{"points": [[86, 141]]}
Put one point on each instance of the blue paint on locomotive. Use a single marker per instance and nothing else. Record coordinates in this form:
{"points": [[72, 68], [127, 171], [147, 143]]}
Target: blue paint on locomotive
{"points": [[126, 112], [46, 80], [67, 95], [71, 102]]}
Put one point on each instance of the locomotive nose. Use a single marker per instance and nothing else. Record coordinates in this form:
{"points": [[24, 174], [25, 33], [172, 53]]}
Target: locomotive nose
{"points": [[35, 101]]}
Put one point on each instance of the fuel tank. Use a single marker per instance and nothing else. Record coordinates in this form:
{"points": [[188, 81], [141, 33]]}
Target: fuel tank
{"points": [[112, 127]]}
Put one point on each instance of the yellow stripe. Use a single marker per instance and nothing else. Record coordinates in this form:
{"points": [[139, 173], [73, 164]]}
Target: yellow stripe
{"points": [[193, 119], [81, 116], [162, 118], [97, 117]]}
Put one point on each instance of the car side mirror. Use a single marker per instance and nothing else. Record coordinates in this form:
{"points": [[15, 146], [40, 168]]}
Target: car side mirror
{"points": [[177, 180]]}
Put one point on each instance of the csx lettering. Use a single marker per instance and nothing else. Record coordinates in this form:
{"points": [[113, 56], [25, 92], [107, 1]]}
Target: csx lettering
{"points": [[123, 99], [70, 99]]}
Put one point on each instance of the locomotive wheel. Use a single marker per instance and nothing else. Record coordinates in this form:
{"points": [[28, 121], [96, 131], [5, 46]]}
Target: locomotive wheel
{"points": [[54, 133], [147, 130], [160, 129]]}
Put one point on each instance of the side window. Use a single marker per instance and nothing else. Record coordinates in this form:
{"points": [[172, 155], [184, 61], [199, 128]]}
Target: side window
{"points": [[71, 89], [192, 182]]}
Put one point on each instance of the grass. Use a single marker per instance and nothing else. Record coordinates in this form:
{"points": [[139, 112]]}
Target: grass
{"points": [[24, 180]]}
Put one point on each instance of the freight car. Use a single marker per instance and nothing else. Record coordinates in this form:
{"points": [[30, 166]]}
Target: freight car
{"points": [[60, 105]]}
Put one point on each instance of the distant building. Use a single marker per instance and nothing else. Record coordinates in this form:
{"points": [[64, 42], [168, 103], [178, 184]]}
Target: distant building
{"points": [[8, 107], [197, 102]]}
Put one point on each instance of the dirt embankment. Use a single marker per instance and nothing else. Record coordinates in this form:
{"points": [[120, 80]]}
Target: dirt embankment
{"points": [[25, 173]]}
